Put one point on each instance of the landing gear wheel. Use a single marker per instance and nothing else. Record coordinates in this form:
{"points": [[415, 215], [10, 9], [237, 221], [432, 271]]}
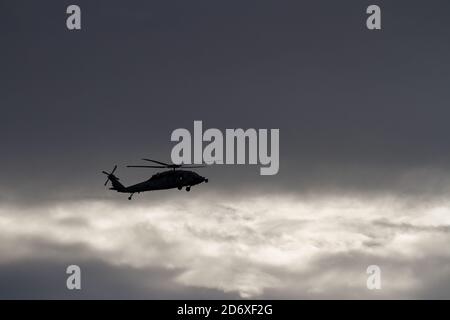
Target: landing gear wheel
{"points": [[188, 189], [180, 187], [131, 195]]}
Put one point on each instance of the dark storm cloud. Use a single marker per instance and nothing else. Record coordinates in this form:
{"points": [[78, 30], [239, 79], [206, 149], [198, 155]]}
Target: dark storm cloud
{"points": [[364, 148], [42, 275], [344, 275], [46, 279], [357, 110]]}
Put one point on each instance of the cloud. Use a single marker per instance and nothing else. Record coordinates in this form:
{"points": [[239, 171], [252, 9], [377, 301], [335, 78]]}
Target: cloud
{"points": [[271, 246], [364, 155], [70, 113], [46, 279]]}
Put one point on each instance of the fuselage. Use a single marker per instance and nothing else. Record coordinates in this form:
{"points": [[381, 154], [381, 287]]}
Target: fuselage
{"points": [[167, 180]]}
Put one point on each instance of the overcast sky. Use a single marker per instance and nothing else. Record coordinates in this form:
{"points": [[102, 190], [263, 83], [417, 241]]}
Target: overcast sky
{"points": [[364, 148]]}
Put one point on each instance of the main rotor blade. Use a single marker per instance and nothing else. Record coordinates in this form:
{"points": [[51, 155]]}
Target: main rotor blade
{"points": [[105, 173], [158, 162], [192, 167], [146, 167]]}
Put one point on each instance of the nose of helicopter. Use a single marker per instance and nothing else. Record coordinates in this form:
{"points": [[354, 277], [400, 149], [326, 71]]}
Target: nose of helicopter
{"points": [[199, 179]]}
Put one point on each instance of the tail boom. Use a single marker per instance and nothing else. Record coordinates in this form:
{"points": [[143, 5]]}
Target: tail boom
{"points": [[116, 185]]}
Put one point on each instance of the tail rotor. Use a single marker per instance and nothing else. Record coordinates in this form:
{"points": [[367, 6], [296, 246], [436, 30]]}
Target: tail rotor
{"points": [[110, 175]]}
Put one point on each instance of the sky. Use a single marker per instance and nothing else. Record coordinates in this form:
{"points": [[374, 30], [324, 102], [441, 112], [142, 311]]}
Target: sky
{"points": [[364, 150]]}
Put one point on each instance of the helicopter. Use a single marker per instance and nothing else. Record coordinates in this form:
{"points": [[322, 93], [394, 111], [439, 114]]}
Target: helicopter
{"points": [[170, 179]]}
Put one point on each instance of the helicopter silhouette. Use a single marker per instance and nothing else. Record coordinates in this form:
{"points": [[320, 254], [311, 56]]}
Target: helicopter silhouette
{"points": [[169, 179]]}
